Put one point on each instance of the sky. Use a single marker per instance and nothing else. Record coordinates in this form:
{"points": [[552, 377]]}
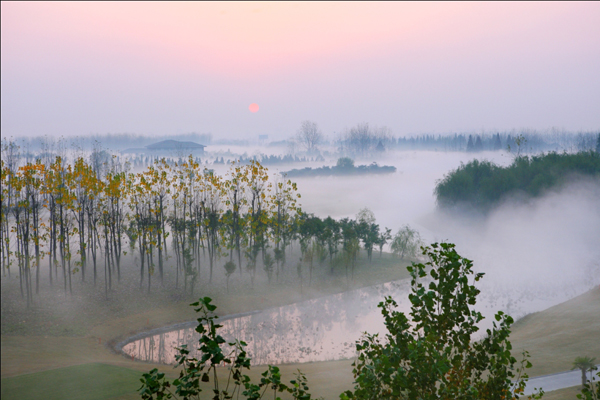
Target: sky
{"points": [[80, 68]]}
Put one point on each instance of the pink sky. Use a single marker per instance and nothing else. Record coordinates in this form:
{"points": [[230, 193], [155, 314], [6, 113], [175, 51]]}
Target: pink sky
{"points": [[159, 68]]}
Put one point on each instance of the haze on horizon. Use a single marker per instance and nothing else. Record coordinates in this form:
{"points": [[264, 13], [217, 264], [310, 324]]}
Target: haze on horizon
{"points": [[166, 68]]}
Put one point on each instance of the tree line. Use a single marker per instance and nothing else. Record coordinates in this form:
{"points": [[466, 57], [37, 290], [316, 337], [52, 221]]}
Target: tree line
{"points": [[482, 184], [82, 219], [362, 140]]}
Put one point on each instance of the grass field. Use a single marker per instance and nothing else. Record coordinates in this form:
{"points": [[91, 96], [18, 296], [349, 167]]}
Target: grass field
{"points": [[63, 348], [93, 381]]}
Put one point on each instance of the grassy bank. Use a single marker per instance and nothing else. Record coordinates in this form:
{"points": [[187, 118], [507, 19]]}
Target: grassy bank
{"points": [[554, 337]]}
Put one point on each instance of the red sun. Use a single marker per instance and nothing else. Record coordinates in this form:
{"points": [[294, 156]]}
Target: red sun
{"points": [[253, 107]]}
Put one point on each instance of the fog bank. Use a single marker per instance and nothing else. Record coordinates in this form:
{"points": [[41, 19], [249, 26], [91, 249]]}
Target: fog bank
{"points": [[535, 253]]}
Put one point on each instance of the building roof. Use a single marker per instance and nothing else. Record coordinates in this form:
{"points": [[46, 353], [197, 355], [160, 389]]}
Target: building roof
{"points": [[175, 145]]}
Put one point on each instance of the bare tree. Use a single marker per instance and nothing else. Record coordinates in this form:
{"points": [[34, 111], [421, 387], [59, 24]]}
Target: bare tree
{"points": [[309, 136], [362, 139]]}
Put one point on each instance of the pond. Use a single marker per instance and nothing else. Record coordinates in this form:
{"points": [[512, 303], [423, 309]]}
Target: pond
{"points": [[321, 329]]}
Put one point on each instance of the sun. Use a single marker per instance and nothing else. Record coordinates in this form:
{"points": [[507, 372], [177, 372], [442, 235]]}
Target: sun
{"points": [[253, 107]]}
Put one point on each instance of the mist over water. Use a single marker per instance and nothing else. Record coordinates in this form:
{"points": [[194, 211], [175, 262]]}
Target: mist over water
{"points": [[396, 199], [535, 253]]}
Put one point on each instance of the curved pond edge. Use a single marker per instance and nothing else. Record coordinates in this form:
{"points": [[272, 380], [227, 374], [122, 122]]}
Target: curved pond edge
{"points": [[191, 324], [181, 325]]}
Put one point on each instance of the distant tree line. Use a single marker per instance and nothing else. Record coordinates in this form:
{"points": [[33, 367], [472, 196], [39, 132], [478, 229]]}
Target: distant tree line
{"points": [[359, 141], [265, 159], [482, 184], [113, 141], [363, 140]]}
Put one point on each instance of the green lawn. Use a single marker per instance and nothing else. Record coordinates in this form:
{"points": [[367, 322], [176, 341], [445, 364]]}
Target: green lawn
{"points": [[92, 381]]}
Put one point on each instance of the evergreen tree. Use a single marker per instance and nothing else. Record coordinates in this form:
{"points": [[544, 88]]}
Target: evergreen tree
{"points": [[497, 142], [470, 146], [478, 144]]}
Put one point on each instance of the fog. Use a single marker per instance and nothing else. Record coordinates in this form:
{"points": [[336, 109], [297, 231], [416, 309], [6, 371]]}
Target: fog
{"points": [[535, 253]]}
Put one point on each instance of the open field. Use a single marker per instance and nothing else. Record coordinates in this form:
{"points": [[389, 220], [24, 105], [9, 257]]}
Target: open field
{"points": [[53, 341]]}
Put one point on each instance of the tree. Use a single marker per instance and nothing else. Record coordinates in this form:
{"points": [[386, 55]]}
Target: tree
{"points": [[433, 355], [285, 209], [584, 364], [345, 163], [519, 143], [470, 145], [369, 234], [212, 212], [361, 139], [309, 136], [478, 146], [497, 142], [383, 239], [350, 244], [258, 206], [406, 242], [331, 236], [234, 192], [598, 144], [365, 215]]}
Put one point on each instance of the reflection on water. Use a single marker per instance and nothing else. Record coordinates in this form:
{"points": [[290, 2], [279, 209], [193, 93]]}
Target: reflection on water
{"points": [[322, 329], [314, 330]]}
